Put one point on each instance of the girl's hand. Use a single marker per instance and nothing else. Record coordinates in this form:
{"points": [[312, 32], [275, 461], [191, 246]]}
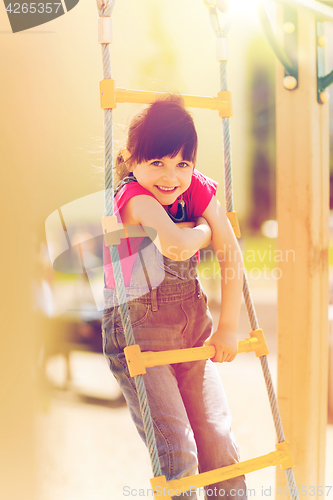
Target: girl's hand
{"points": [[226, 346]]}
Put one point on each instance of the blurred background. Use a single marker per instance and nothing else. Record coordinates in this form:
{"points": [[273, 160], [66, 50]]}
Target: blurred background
{"points": [[65, 426]]}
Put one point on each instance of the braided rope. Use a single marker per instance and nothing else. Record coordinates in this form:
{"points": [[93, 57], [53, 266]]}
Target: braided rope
{"points": [[246, 290], [106, 11], [228, 190]]}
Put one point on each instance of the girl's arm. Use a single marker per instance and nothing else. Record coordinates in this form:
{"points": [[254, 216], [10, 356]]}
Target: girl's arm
{"points": [[174, 242], [191, 225], [231, 263], [200, 220]]}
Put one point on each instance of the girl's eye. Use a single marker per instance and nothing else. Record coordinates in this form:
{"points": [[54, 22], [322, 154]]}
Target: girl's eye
{"points": [[183, 164], [156, 163]]}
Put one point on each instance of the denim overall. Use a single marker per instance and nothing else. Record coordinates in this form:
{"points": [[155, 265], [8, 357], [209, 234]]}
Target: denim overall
{"points": [[191, 418]]}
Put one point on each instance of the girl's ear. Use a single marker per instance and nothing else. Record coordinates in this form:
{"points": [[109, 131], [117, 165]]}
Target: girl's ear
{"points": [[126, 154], [126, 158]]}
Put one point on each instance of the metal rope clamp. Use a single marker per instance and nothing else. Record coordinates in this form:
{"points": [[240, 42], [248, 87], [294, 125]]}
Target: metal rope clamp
{"points": [[104, 29], [222, 51]]}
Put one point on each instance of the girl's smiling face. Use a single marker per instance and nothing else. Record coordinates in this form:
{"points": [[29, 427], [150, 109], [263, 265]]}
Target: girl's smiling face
{"points": [[165, 178]]}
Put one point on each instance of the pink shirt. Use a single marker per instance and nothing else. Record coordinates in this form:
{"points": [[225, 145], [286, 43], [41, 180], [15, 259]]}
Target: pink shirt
{"points": [[196, 197]]}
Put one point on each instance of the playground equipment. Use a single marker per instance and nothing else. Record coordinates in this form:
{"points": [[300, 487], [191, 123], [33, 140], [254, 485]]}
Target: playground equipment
{"points": [[302, 145], [311, 246]]}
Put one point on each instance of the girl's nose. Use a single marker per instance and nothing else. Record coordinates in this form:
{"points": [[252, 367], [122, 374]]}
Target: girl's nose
{"points": [[169, 174]]}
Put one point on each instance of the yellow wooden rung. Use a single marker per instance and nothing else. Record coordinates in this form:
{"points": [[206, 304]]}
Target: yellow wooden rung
{"points": [[248, 345], [221, 103], [142, 360], [287, 462], [139, 361], [111, 230], [134, 231], [107, 92], [167, 489], [111, 95], [160, 487], [225, 106], [134, 360], [114, 231], [233, 219], [261, 348], [151, 358]]}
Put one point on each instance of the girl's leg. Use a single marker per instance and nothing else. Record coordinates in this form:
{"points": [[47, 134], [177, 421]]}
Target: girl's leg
{"points": [[174, 437], [155, 330], [205, 401]]}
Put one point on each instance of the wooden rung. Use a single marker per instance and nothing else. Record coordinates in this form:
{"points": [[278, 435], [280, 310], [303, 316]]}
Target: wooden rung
{"points": [[288, 462], [138, 361], [261, 348], [221, 103], [134, 360], [233, 219], [111, 230], [107, 93], [158, 358], [167, 489], [248, 345], [114, 232]]}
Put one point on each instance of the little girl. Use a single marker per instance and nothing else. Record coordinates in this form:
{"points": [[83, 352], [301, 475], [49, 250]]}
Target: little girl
{"points": [[161, 189]]}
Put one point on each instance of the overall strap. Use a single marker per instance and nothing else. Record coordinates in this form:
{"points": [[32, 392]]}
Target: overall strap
{"points": [[153, 291]]}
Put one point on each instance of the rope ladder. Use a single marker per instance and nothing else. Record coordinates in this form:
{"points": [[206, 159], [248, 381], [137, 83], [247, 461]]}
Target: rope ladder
{"points": [[138, 361]]}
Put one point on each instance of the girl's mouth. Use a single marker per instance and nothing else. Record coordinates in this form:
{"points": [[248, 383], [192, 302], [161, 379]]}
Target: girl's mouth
{"points": [[165, 189]]}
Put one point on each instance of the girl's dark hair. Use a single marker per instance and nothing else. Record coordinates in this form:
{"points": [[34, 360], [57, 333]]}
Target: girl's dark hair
{"points": [[163, 129]]}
